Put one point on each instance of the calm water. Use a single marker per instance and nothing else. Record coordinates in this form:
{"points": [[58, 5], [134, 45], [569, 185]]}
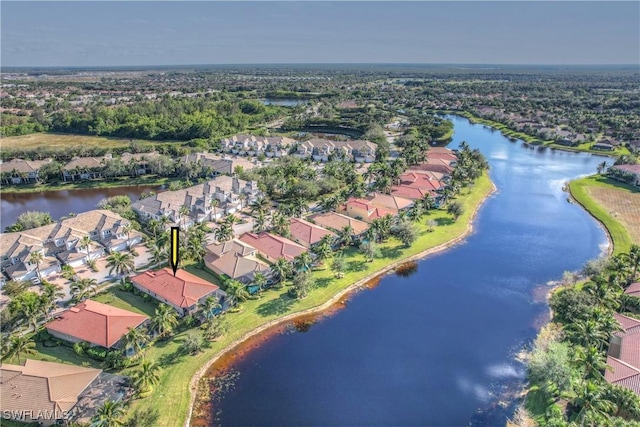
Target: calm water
{"points": [[435, 348], [60, 203], [289, 102]]}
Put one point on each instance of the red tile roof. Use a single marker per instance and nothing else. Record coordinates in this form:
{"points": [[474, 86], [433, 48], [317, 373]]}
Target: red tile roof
{"points": [[374, 211], [410, 192], [182, 290], [628, 168], [633, 289], [419, 180], [435, 165], [273, 246], [306, 233], [96, 323], [441, 153]]}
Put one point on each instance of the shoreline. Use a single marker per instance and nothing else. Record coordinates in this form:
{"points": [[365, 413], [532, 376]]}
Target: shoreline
{"points": [[193, 384], [87, 185]]}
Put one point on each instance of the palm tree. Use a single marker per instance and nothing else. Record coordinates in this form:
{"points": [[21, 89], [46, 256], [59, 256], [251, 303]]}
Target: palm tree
{"points": [[50, 293], [594, 408], [259, 223], [261, 204], [120, 262], [85, 243], [214, 204], [37, 258], [158, 254], [184, 212], [210, 306], [109, 415], [303, 262], [346, 236], [237, 291], [20, 344], [593, 362], [601, 167], [260, 280], [323, 249], [281, 269], [280, 224], [127, 228], [145, 378], [135, 339], [30, 307], [81, 289], [224, 233], [588, 333], [164, 320]]}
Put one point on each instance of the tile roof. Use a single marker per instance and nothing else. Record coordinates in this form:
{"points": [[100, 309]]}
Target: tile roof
{"points": [[22, 165], [182, 290], [337, 222], [306, 233], [420, 180], [410, 192], [233, 258], [373, 210], [84, 162], [97, 323], [273, 246], [389, 201], [629, 324], [628, 168], [43, 386], [633, 289]]}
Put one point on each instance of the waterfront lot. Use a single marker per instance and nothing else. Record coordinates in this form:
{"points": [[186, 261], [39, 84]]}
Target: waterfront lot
{"points": [[613, 203]]}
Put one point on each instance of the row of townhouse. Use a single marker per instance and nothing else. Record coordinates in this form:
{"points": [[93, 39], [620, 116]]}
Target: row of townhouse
{"points": [[216, 164], [251, 145], [427, 178], [321, 150], [21, 171], [204, 202], [61, 243]]}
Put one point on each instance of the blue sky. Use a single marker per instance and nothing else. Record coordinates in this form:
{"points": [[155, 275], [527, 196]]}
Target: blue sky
{"points": [[172, 33]]}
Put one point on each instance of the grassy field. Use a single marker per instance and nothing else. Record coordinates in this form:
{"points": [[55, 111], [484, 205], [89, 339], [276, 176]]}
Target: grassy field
{"points": [[172, 396], [613, 203], [123, 181], [62, 141]]}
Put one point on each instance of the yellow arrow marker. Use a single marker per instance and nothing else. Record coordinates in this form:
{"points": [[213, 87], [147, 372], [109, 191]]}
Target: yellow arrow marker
{"points": [[175, 249]]}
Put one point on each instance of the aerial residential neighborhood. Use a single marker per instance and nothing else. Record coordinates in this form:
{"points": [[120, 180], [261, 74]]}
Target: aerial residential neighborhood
{"points": [[319, 213]]}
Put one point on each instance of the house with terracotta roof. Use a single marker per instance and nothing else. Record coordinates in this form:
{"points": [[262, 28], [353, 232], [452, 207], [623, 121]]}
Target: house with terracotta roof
{"points": [[418, 179], [43, 392], [21, 171], [390, 201], [184, 291], [626, 173], [306, 233], [443, 166], [442, 153], [336, 222], [364, 210], [235, 259], [624, 354], [412, 193], [95, 323], [633, 290], [273, 247]]}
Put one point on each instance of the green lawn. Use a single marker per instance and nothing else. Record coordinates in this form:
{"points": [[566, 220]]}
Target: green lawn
{"points": [[172, 395], [621, 238], [127, 301]]}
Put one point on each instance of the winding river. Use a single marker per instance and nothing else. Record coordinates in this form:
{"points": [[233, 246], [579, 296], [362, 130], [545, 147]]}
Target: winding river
{"points": [[436, 347]]}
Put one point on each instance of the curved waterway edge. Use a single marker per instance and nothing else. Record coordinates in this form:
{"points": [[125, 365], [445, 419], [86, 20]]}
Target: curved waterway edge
{"points": [[329, 306]]}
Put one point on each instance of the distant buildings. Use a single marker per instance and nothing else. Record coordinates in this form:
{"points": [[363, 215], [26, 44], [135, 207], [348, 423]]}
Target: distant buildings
{"points": [[251, 145], [323, 149], [19, 171]]}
